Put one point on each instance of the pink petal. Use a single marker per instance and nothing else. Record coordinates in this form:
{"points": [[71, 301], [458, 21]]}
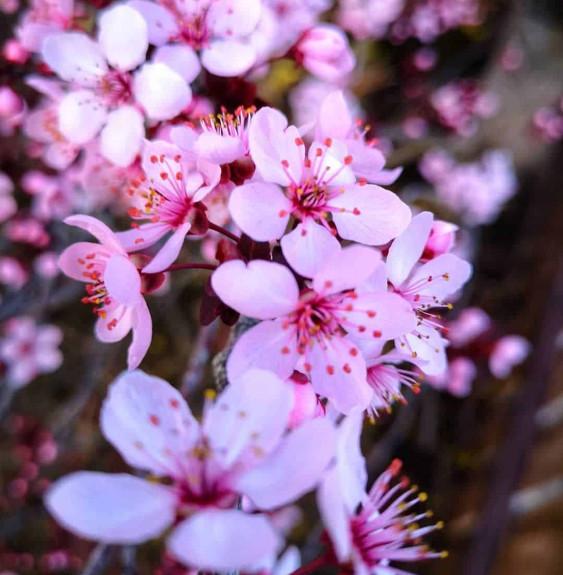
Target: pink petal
{"points": [[69, 260], [238, 18], [367, 162], [385, 177], [161, 23], [406, 249], [217, 540], [122, 280], [330, 160], [122, 136], [162, 92], [308, 246], [228, 57], [110, 331], [265, 346], [116, 508], [379, 316], [429, 347], [372, 215], [260, 210], [98, 229], [448, 274], [142, 237], [149, 423], [339, 375], [169, 252], [346, 269], [509, 351], [81, 116], [59, 156], [123, 36], [142, 334], [334, 118], [259, 289], [184, 137], [74, 57], [272, 142], [219, 149], [181, 58], [293, 469], [334, 515], [266, 402]]}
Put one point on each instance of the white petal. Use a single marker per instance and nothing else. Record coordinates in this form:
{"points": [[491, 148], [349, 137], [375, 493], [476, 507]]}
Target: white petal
{"points": [[161, 23], [228, 58], [123, 36], [81, 116], [180, 58], [122, 136]]}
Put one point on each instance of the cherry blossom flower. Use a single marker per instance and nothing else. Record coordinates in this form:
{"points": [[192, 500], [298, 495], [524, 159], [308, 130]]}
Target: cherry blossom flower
{"points": [[218, 29], [324, 51], [509, 351], [423, 287], [335, 122], [371, 530], [368, 18], [306, 404], [12, 111], [27, 350], [240, 448], [27, 230], [115, 287], [53, 197], [42, 18], [12, 273], [167, 194], [476, 191], [441, 239], [105, 95], [308, 329], [457, 379], [310, 189]]}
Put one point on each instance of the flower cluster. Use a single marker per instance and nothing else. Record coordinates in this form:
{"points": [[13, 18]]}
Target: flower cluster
{"points": [[154, 136]]}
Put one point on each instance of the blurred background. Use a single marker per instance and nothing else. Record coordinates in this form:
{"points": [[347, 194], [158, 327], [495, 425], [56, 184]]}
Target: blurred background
{"points": [[491, 461]]}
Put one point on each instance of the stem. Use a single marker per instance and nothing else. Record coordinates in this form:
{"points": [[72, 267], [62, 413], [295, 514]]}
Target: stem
{"points": [[224, 231], [317, 563], [190, 267]]}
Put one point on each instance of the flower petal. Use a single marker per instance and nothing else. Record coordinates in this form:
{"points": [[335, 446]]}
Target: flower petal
{"points": [[142, 334], [218, 540], [259, 289], [369, 214], [334, 119], [266, 346], [444, 275], [169, 252], [116, 508], [149, 423], [122, 280], [293, 469], [81, 116], [219, 149], [228, 57], [406, 249], [74, 57], [161, 91], [98, 229], [122, 137], [70, 261], [308, 246], [260, 210], [123, 36], [161, 24], [181, 58]]}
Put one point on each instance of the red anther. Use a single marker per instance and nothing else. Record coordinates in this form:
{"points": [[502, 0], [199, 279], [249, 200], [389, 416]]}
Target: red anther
{"points": [[154, 159], [328, 142], [318, 152], [164, 175], [154, 420], [361, 328], [376, 333], [179, 176], [395, 466], [139, 240], [177, 158], [299, 142], [285, 163], [349, 307], [330, 369], [307, 366], [371, 313], [363, 181], [285, 350], [353, 352], [347, 368], [174, 403], [348, 160], [307, 163], [356, 212], [282, 214], [328, 284]]}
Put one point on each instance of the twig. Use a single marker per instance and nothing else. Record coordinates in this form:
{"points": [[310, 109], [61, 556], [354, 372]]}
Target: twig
{"points": [[198, 359], [99, 559], [129, 559]]}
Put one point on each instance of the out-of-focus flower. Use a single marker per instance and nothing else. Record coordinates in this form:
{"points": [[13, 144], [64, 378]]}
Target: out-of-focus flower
{"points": [[311, 330], [8, 205], [12, 111], [53, 197], [42, 18], [28, 350], [476, 191], [218, 29], [27, 230], [324, 51], [12, 273], [240, 448], [115, 287], [369, 18], [509, 351]]}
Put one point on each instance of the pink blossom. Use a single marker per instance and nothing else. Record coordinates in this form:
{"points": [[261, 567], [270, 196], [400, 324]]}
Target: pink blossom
{"points": [[368, 18], [46, 265], [219, 30], [476, 191], [106, 96], [28, 350], [508, 352], [424, 287], [471, 323], [8, 205], [324, 51], [42, 18], [12, 111], [306, 404], [335, 122], [10, 6], [27, 230], [14, 52], [457, 379], [115, 287], [53, 196], [167, 194], [12, 273], [240, 448], [309, 329], [370, 530], [441, 239], [310, 189]]}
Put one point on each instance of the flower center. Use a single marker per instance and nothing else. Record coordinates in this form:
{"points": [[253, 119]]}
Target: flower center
{"points": [[116, 88]]}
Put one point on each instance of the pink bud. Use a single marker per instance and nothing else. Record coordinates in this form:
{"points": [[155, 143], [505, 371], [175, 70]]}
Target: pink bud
{"points": [[10, 103], [305, 402], [325, 52], [14, 52], [441, 240]]}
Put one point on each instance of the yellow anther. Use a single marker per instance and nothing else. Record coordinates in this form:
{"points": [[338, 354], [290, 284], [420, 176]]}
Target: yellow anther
{"points": [[422, 497]]}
